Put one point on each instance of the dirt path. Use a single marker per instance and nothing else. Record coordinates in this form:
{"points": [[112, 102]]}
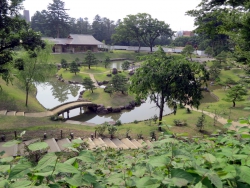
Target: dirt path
{"points": [[220, 119]]}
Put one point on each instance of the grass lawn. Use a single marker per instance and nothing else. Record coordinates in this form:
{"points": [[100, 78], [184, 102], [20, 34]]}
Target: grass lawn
{"points": [[101, 97], [12, 97], [225, 74], [56, 58], [225, 108], [67, 75], [95, 70]]}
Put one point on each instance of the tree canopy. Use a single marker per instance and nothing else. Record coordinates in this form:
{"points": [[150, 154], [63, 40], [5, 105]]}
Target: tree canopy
{"points": [[142, 28], [88, 84], [14, 32], [36, 68], [90, 59], [226, 25], [236, 93], [165, 78]]}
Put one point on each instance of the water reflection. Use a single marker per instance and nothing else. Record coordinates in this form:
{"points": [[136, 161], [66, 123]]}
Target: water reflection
{"points": [[54, 93]]}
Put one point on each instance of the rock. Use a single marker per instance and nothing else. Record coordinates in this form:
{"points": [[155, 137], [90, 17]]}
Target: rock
{"points": [[131, 73], [114, 71], [62, 80], [109, 108], [105, 82], [122, 107], [128, 107], [132, 103], [143, 101], [109, 75], [100, 83], [116, 110], [76, 82]]}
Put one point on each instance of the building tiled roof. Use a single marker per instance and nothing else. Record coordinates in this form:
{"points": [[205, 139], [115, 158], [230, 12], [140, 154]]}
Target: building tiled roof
{"points": [[75, 39]]}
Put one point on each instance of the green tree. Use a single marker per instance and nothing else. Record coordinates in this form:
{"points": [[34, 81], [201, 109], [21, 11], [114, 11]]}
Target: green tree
{"points": [[74, 67], [188, 50], [64, 64], [142, 28], [90, 59], [236, 93], [36, 68], [214, 71], [118, 83], [201, 122], [166, 78], [88, 84], [14, 32], [209, 51], [57, 18], [125, 65], [106, 61], [222, 57]]}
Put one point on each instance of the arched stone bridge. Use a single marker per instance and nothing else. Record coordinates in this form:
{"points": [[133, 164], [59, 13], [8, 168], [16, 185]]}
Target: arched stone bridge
{"points": [[61, 109]]}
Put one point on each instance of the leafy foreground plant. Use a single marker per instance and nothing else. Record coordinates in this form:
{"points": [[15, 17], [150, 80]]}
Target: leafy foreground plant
{"points": [[221, 162]]}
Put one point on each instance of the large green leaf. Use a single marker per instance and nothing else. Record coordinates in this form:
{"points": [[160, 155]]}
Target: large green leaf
{"points": [[4, 183], [47, 160], [198, 185], [244, 173], [209, 157], [20, 184], [11, 143], [215, 179], [4, 168], [88, 179], [147, 182], [159, 161], [76, 180], [86, 156], [20, 170], [179, 182], [7, 159], [66, 168], [38, 146], [180, 173], [44, 174]]}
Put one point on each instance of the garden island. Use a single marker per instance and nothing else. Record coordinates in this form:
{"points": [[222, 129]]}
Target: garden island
{"points": [[126, 104]]}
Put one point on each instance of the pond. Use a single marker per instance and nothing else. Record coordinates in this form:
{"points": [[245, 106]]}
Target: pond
{"points": [[54, 93]]}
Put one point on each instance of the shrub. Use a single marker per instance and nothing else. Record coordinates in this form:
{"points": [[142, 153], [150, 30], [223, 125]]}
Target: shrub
{"points": [[101, 129], [118, 123], [135, 122], [188, 111]]}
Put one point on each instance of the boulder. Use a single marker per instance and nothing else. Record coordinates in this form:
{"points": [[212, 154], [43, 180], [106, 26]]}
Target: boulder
{"points": [[116, 110], [114, 71], [105, 82], [109, 75], [109, 108], [122, 107], [128, 107], [131, 73]]}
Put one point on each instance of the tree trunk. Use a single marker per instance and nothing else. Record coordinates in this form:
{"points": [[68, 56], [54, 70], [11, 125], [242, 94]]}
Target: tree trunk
{"points": [[233, 103], [75, 73], [191, 57], [151, 48], [161, 114], [139, 48], [27, 95], [89, 66]]}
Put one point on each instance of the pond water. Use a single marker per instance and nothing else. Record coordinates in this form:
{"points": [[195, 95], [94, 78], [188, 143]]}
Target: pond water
{"points": [[54, 93]]}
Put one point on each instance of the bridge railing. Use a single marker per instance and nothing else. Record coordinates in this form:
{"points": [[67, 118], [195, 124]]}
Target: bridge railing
{"points": [[67, 103]]}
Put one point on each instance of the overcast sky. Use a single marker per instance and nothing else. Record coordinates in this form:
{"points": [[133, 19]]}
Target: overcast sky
{"points": [[170, 11]]}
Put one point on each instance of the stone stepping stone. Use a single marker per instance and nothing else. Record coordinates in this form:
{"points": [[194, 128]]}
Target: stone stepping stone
{"points": [[53, 146], [21, 146], [119, 143], [62, 142], [11, 113], [3, 112], [90, 142], [99, 142], [20, 114], [109, 143], [136, 143], [149, 143], [9, 151], [128, 143]]}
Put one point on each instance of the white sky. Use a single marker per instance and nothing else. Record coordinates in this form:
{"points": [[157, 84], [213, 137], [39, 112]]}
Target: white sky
{"points": [[170, 11]]}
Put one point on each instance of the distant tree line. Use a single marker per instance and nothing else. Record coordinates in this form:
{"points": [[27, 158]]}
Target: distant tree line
{"points": [[55, 22]]}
